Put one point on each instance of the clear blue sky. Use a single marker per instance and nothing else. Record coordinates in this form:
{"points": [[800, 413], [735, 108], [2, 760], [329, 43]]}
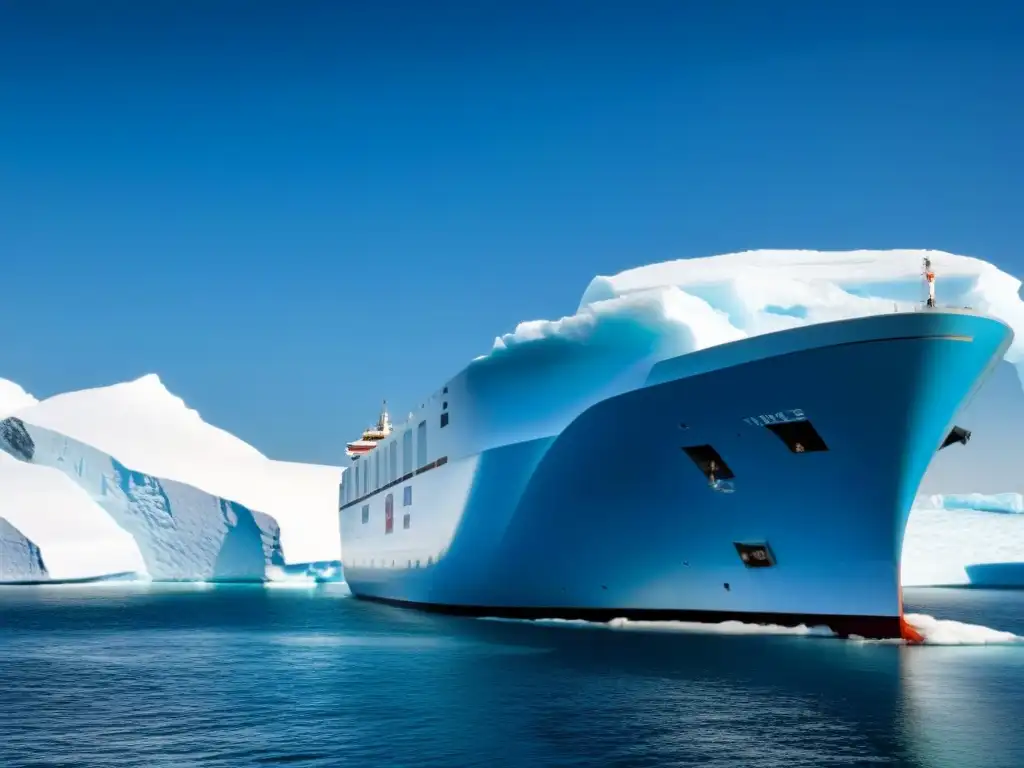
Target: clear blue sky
{"points": [[291, 210]]}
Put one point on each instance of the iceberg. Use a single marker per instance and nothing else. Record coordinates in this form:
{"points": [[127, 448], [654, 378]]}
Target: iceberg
{"points": [[46, 512], [965, 539], [20, 558], [182, 533], [940, 545], [77, 538], [13, 397], [691, 304], [92, 514], [755, 292], [153, 431], [1004, 503]]}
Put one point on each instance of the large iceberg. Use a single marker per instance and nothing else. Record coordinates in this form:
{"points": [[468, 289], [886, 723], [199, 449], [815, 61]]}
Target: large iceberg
{"points": [[942, 545], [675, 307], [755, 292], [151, 430], [89, 513], [181, 532]]}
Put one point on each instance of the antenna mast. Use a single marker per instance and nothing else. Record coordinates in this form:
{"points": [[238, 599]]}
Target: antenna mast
{"points": [[929, 277]]}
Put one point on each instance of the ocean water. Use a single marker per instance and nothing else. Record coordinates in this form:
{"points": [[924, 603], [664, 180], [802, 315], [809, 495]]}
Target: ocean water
{"points": [[135, 675]]}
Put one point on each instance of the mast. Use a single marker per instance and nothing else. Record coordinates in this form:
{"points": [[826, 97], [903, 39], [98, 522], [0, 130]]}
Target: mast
{"points": [[929, 277]]}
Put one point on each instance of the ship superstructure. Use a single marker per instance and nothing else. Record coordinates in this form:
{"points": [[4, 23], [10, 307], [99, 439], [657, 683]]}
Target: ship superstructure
{"points": [[372, 435]]}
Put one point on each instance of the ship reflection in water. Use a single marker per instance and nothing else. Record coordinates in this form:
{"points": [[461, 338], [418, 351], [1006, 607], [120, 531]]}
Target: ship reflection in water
{"points": [[243, 675]]}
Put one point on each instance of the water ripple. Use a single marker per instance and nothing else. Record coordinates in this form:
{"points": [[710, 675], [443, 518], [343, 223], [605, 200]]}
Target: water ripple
{"points": [[234, 677]]}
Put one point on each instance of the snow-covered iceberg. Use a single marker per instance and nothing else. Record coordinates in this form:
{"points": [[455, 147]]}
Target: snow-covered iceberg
{"points": [[748, 293], [76, 537], [13, 397], [960, 539], [90, 513], [680, 306], [181, 532], [151, 430], [940, 545]]}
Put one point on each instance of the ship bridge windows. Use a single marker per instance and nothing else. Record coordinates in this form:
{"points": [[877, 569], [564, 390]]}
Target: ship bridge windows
{"points": [[799, 436], [709, 462]]}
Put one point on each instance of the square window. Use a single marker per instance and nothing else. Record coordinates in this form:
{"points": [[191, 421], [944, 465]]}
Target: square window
{"points": [[406, 520], [407, 496], [366, 513], [444, 419]]}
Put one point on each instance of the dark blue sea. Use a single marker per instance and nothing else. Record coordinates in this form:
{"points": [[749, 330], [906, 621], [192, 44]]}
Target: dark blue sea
{"points": [[134, 675]]}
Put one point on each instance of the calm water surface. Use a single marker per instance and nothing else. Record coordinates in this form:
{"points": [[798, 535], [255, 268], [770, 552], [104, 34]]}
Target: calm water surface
{"points": [[129, 675]]}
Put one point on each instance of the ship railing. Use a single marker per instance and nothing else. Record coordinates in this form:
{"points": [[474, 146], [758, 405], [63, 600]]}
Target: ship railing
{"points": [[922, 306]]}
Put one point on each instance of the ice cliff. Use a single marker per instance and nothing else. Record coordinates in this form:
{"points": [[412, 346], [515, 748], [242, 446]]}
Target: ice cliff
{"points": [[181, 532], [89, 513], [151, 430], [20, 559]]}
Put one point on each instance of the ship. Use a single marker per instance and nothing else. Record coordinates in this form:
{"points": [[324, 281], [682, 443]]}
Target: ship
{"points": [[766, 480]]}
